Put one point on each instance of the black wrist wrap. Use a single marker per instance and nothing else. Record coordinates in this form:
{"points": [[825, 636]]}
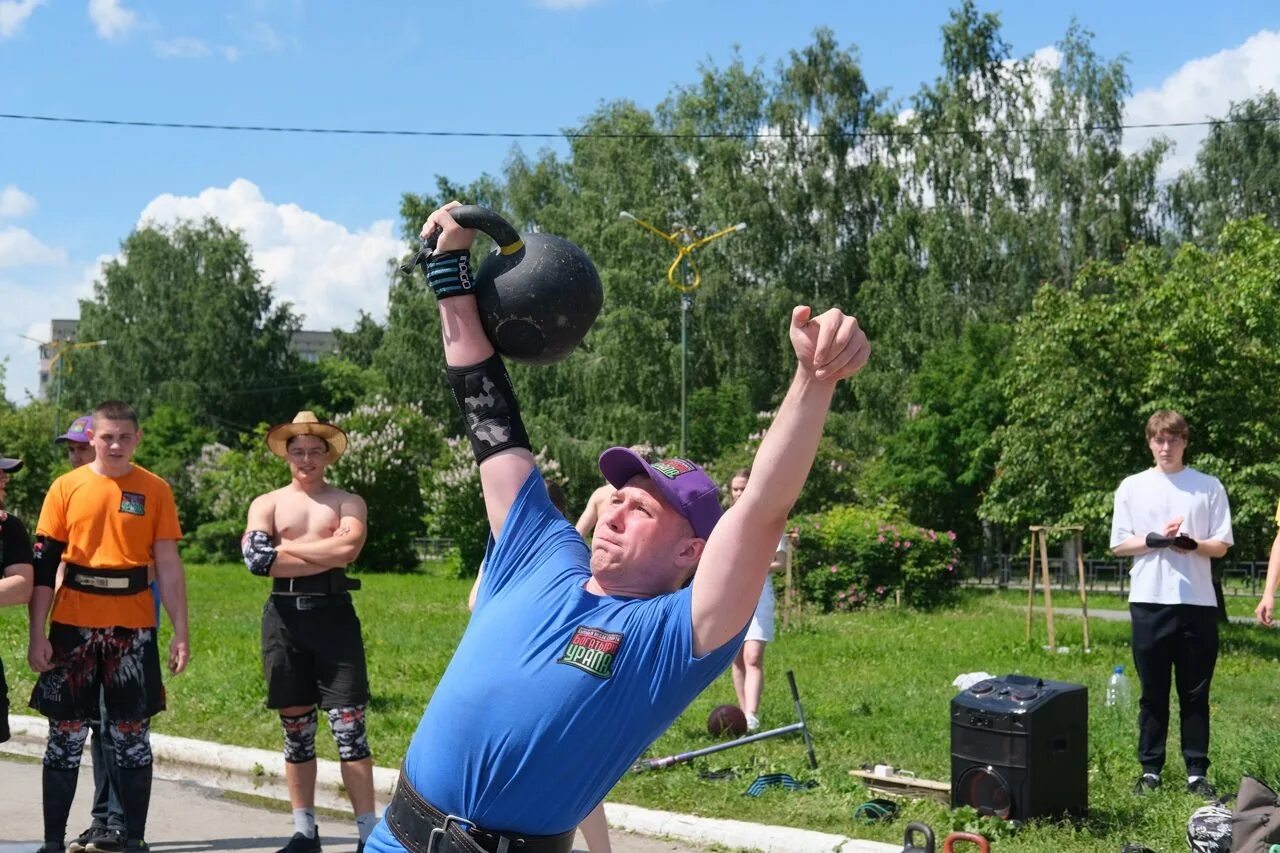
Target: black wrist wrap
{"points": [[449, 274], [489, 408]]}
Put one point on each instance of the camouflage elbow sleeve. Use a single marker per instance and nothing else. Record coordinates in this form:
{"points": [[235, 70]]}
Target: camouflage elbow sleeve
{"points": [[489, 408]]}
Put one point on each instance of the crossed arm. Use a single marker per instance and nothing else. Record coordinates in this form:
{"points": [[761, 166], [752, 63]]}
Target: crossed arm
{"points": [[15, 583], [301, 559]]}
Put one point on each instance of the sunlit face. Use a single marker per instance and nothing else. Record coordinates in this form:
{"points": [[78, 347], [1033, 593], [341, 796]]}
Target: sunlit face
{"points": [[1167, 449], [113, 443], [79, 453], [308, 457], [641, 546], [737, 486]]}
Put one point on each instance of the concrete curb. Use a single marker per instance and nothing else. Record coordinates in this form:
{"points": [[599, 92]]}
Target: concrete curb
{"points": [[260, 772]]}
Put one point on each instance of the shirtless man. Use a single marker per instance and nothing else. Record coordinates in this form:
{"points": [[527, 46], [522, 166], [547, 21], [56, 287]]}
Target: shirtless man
{"points": [[303, 536]]}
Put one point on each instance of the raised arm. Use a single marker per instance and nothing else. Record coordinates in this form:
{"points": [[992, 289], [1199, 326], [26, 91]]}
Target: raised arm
{"points": [[479, 382], [741, 549]]}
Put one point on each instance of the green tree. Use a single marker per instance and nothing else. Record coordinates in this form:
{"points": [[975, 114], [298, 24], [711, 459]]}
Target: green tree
{"points": [[359, 345], [1190, 332], [1236, 174], [172, 439], [189, 324], [939, 463], [26, 433]]}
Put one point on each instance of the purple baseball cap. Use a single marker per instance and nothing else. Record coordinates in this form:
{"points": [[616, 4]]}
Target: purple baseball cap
{"points": [[77, 431], [683, 484]]}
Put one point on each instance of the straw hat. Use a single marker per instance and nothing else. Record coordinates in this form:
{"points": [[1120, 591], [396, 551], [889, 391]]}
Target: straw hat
{"points": [[306, 423]]}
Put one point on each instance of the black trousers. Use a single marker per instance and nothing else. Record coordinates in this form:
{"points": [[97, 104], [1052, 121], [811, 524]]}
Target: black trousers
{"points": [[1174, 644]]}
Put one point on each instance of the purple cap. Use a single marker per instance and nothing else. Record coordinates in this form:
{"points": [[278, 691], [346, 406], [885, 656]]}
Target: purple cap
{"points": [[77, 432], [683, 484]]}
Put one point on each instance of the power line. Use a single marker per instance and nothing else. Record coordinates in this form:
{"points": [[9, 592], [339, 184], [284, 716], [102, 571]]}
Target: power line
{"points": [[485, 134]]}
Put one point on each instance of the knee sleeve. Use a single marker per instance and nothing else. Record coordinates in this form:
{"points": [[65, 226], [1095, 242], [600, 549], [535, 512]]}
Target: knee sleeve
{"points": [[66, 744], [299, 737], [347, 725], [131, 742]]}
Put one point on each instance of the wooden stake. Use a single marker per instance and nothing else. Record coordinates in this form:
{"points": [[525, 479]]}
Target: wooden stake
{"points": [[1048, 592]]}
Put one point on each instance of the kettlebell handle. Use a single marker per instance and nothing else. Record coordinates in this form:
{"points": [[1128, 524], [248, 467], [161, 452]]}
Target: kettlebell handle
{"points": [[949, 843], [471, 216]]}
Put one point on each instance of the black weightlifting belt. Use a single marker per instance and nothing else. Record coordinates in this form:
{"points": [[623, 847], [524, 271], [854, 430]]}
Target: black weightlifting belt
{"points": [[422, 828], [107, 581], [331, 582]]}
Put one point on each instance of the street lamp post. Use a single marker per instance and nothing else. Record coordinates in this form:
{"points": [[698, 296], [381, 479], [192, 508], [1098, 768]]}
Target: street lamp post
{"points": [[61, 348], [685, 241]]}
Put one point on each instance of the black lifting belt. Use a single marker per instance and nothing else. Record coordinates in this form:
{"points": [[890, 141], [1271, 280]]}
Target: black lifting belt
{"points": [[107, 581], [331, 582], [422, 828]]}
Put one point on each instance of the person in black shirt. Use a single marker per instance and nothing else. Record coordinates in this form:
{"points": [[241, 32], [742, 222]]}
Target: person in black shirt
{"points": [[15, 571]]}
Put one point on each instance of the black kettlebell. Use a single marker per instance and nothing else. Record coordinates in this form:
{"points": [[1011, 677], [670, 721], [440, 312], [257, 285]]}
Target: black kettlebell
{"points": [[538, 295], [908, 838]]}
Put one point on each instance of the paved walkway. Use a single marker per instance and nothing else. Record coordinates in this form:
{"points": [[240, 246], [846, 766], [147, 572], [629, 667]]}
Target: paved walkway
{"points": [[186, 818], [1116, 615]]}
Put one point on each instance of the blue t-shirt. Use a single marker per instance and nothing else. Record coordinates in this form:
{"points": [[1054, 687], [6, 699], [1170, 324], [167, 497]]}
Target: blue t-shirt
{"points": [[553, 692]]}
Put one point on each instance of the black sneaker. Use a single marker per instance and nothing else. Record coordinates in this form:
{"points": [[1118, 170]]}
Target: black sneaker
{"points": [[301, 844], [1201, 788], [106, 841], [81, 841], [1146, 783], [51, 847], [136, 845]]}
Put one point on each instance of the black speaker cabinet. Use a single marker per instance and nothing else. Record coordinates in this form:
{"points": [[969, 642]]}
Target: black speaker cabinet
{"points": [[1019, 748]]}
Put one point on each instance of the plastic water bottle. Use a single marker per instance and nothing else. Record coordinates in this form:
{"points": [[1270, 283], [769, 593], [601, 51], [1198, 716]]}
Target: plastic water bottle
{"points": [[1117, 689]]}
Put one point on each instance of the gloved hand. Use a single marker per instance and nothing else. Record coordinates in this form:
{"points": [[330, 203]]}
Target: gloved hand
{"points": [[1155, 540], [259, 553], [1185, 543]]}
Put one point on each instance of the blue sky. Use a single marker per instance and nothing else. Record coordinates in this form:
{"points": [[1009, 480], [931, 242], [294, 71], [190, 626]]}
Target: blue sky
{"points": [[321, 211]]}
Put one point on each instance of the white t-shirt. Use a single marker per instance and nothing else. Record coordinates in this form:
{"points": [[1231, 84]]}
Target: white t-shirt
{"points": [[1145, 503]]}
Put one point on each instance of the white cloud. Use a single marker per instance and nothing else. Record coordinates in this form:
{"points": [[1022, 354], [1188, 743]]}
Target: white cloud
{"points": [[20, 248], [230, 54], [111, 19], [1202, 89], [326, 270], [14, 13], [14, 203], [182, 48]]}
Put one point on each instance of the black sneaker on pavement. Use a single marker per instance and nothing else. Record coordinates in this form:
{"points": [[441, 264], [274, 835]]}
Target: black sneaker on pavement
{"points": [[81, 841], [107, 841], [136, 845], [1146, 783], [1202, 788], [51, 847], [301, 844]]}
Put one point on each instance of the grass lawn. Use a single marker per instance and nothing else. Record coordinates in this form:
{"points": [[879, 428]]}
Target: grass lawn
{"points": [[876, 687]]}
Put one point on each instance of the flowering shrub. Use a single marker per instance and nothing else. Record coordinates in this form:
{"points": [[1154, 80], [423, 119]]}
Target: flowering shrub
{"points": [[850, 557], [389, 447], [456, 504], [228, 480]]}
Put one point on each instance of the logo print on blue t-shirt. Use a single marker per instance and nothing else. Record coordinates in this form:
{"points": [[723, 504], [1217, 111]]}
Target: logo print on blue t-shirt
{"points": [[592, 650], [134, 503]]}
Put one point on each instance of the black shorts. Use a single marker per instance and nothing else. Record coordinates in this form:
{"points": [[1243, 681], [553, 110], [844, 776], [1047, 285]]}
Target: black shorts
{"points": [[118, 666], [313, 654]]}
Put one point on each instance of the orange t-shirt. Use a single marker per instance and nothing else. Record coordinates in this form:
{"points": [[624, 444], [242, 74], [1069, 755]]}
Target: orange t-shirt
{"points": [[108, 523]]}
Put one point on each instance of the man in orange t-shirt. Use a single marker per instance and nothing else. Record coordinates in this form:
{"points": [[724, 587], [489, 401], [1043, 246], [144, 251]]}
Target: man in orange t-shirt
{"points": [[108, 523]]}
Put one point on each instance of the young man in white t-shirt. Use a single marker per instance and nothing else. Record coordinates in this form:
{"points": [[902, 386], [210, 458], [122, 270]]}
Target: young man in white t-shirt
{"points": [[1172, 519]]}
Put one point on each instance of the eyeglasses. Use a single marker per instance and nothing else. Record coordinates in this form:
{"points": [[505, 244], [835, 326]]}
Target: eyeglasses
{"points": [[1166, 440], [301, 455]]}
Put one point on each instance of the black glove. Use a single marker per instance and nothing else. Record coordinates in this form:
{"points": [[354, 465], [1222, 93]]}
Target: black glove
{"points": [[1155, 540], [1185, 542], [258, 552]]}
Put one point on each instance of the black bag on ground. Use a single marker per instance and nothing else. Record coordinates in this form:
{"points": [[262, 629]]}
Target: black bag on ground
{"points": [[1255, 821]]}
